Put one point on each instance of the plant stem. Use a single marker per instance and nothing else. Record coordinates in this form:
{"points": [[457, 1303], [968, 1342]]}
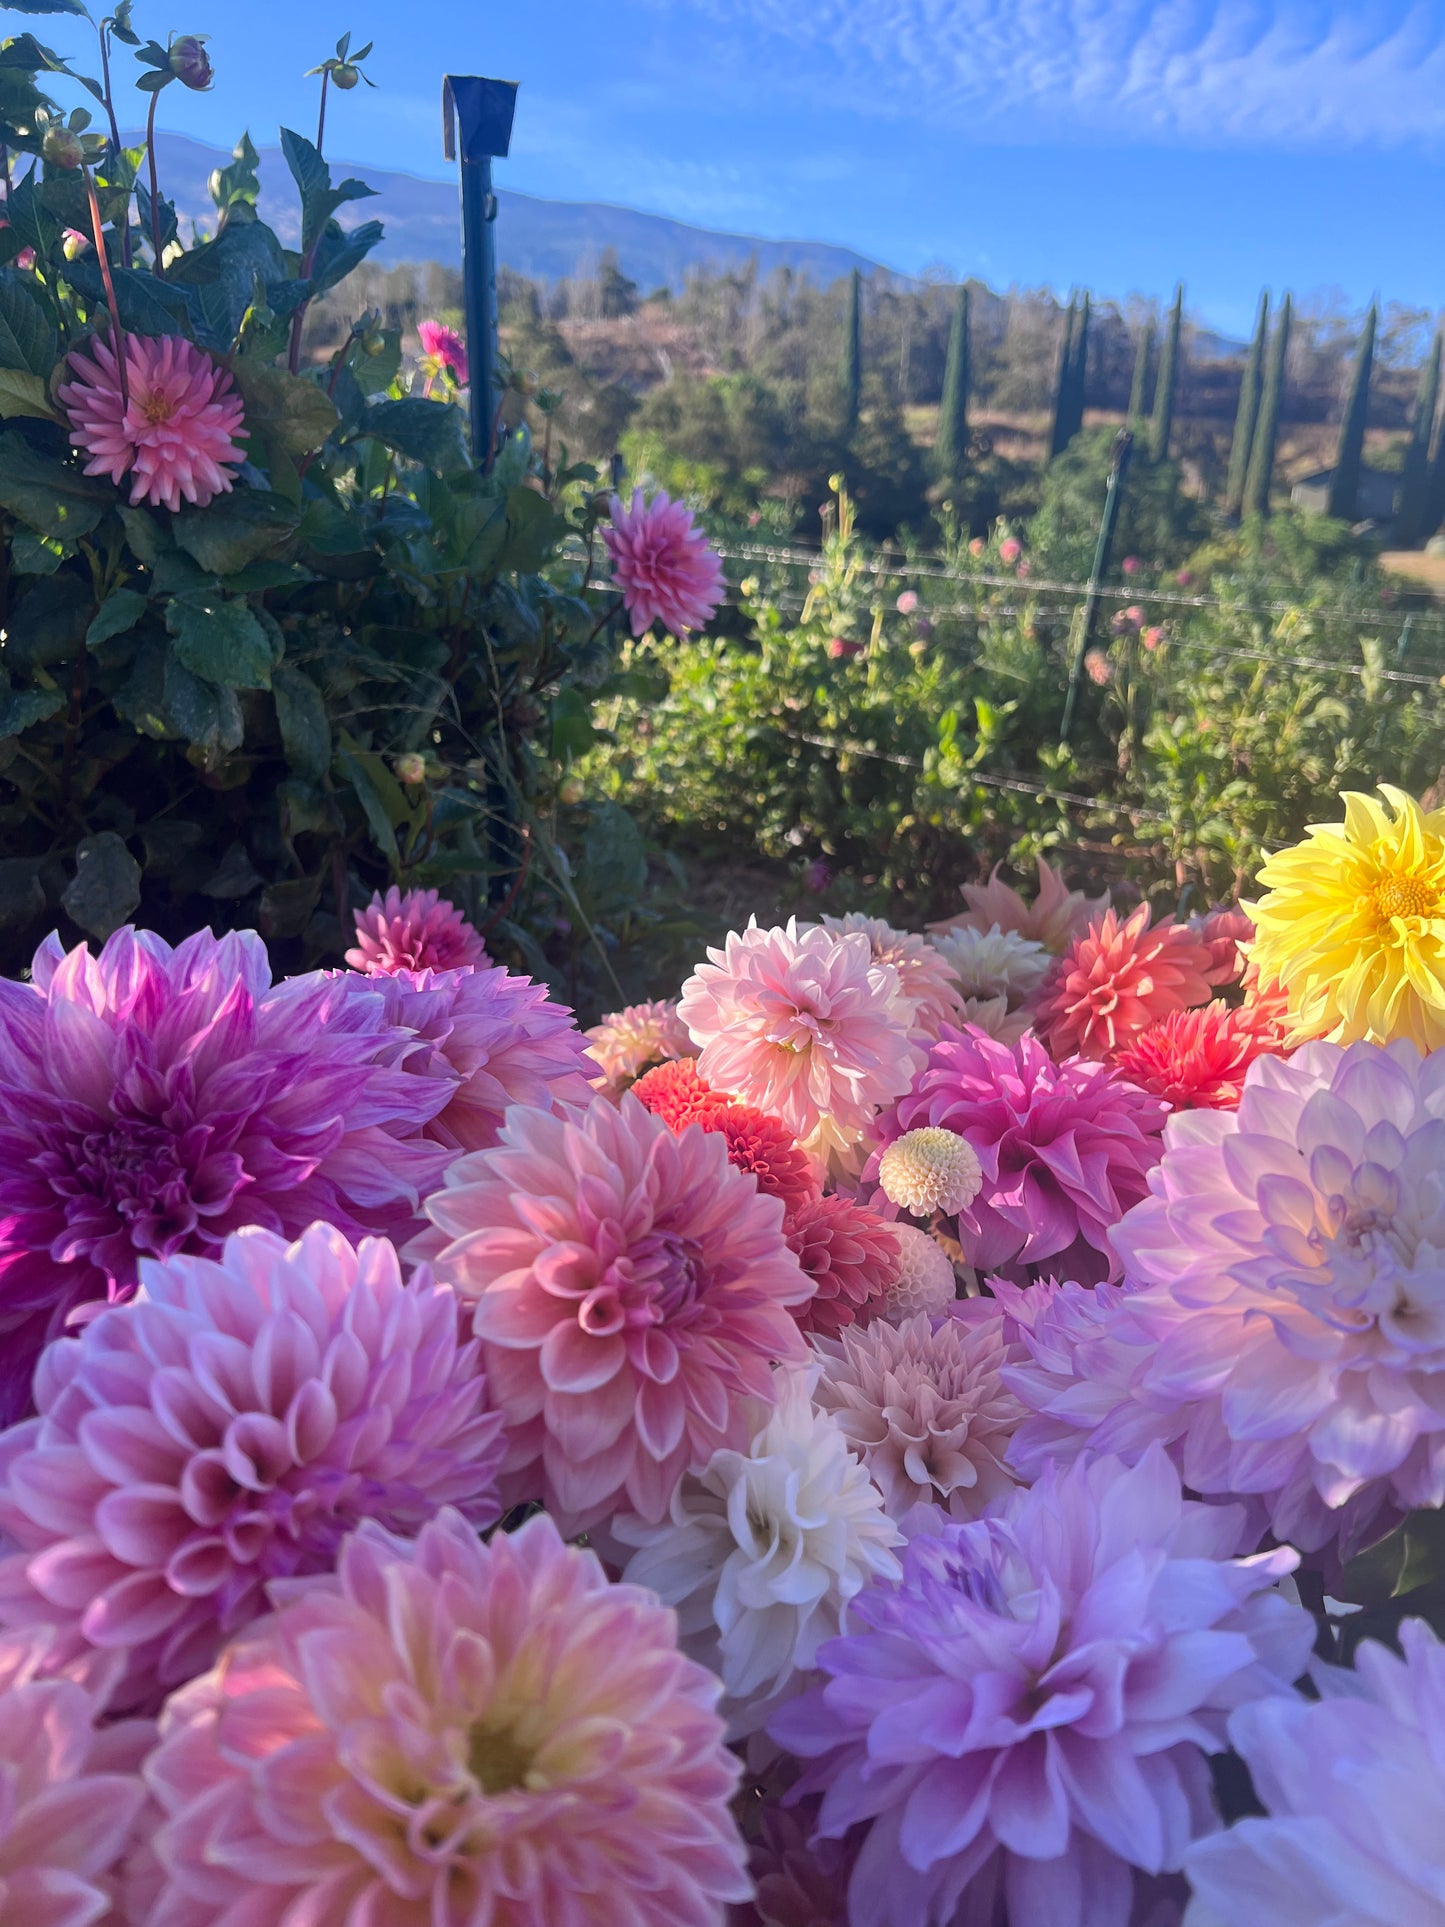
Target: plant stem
{"points": [[102, 255], [159, 266], [321, 117], [125, 253]]}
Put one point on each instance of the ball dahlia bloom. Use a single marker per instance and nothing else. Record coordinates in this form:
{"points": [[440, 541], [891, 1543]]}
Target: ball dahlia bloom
{"points": [[1054, 918], [1198, 1059], [488, 1040], [1351, 1783], [1116, 980], [1352, 924], [806, 1026], [930, 1170], [413, 930], [762, 1552], [1285, 1290], [628, 1042], [433, 1740], [926, 1279], [154, 1100], [226, 1430], [851, 1256], [756, 1143], [1064, 1151], [445, 349], [662, 564], [630, 1289], [178, 436], [1025, 1717], [925, 981], [71, 1796], [925, 1408]]}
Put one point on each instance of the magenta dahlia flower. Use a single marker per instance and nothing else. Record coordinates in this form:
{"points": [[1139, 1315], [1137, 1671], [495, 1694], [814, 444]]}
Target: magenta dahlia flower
{"points": [[490, 1040], [456, 1734], [630, 1289], [1025, 1717], [153, 1100], [178, 435], [1065, 1150], [662, 564], [444, 348], [227, 1429], [415, 930], [70, 1796]]}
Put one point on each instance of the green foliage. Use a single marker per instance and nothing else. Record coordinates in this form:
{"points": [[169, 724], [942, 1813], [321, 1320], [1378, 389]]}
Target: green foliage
{"points": [[1247, 414], [1139, 382], [1349, 455], [1156, 519], [1266, 427], [1161, 425]]}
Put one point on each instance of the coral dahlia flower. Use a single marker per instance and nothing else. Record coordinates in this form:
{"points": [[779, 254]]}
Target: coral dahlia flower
{"points": [[154, 1100], [1116, 980], [756, 1143], [415, 930], [627, 1042], [851, 1255], [454, 1735], [226, 1430], [1054, 918], [662, 564], [1352, 924], [177, 437], [1197, 1059], [629, 1288]]}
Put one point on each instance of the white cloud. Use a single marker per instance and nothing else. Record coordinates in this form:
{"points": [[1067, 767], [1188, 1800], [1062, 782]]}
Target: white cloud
{"points": [[1275, 73]]}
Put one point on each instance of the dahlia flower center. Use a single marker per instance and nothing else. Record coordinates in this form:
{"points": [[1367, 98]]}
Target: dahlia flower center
{"points": [[497, 1760], [1405, 896], [156, 407], [134, 1173], [659, 1282]]}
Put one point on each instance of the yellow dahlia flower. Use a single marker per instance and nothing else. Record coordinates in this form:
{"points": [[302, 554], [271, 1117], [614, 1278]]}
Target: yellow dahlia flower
{"points": [[1352, 923]]}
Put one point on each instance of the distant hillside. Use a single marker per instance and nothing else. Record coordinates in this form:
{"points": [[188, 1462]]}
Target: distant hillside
{"points": [[544, 240]]}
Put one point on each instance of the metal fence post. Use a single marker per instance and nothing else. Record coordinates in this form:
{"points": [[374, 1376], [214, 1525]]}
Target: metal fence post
{"points": [[480, 111], [1113, 500]]}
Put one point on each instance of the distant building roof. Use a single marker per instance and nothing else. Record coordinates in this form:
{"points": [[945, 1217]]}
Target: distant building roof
{"points": [[1375, 501]]}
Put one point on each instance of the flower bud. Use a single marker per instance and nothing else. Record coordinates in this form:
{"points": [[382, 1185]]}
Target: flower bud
{"points": [[572, 790], [410, 768], [345, 76], [61, 148], [190, 63]]}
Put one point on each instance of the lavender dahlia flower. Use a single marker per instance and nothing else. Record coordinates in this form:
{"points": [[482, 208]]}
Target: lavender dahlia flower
{"points": [[1025, 1717], [154, 1100], [225, 1430]]}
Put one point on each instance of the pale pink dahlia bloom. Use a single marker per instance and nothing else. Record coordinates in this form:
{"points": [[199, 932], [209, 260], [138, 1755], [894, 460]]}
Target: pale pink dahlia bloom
{"points": [[1286, 1290], [925, 1407], [1226, 934], [1054, 918], [1064, 1150], [925, 980], [806, 1026], [228, 1429], [926, 1282], [630, 1290], [1116, 980], [1353, 1784], [455, 1735], [662, 564], [628, 1042], [153, 1100], [418, 930], [1025, 1718], [70, 1796], [490, 1039], [178, 437]]}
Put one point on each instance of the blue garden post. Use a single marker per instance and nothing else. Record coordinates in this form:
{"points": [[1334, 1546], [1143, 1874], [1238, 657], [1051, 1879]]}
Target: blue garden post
{"points": [[477, 120]]}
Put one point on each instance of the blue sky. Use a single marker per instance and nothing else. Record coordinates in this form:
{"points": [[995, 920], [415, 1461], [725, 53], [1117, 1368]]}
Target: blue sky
{"points": [[1113, 143]]}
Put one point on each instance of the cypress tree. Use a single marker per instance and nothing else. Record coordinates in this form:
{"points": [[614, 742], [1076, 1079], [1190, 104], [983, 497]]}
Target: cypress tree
{"points": [[1162, 423], [1059, 434], [853, 354], [1139, 387], [1344, 499], [1266, 428], [1248, 412], [951, 449], [1411, 504], [1079, 378]]}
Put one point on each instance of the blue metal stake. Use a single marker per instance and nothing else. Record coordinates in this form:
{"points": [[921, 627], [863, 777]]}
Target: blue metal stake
{"points": [[480, 111]]}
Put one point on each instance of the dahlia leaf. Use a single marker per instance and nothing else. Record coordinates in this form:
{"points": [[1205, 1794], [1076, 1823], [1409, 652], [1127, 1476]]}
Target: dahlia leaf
{"points": [[319, 199], [241, 528], [20, 708], [221, 640], [228, 266], [25, 394], [45, 6], [105, 890], [339, 252], [429, 432], [292, 413], [52, 497], [301, 717], [147, 306], [120, 611], [27, 340]]}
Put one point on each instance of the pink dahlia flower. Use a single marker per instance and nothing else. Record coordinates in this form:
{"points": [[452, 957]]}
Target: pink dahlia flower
{"points": [[926, 980], [444, 347], [803, 1024], [70, 1796], [630, 1290], [1010, 549], [228, 1429], [488, 1040], [153, 1100], [1286, 1299], [178, 437], [851, 1255], [1065, 1150], [627, 1042], [1116, 980], [456, 1734], [415, 931], [1226, 934], [662, 564], [1198, 1059], [1351, 1784], [1024, 1719], [1054, 918]]}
